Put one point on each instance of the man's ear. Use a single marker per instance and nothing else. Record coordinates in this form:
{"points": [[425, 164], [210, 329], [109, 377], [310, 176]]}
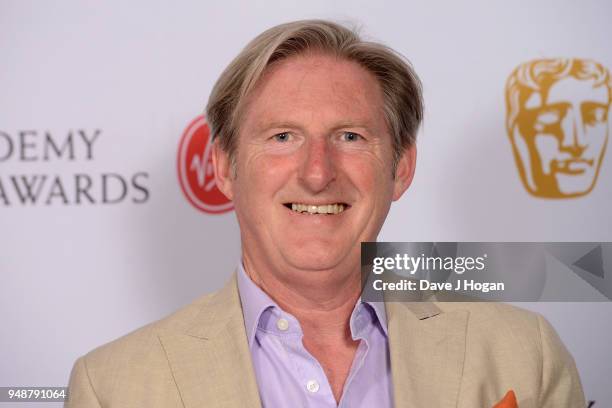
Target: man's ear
{"points": [[223, 170], [404, 171]]}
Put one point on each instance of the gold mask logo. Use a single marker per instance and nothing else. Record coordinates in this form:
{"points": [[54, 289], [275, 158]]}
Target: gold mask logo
{"points": [[558, 124]]}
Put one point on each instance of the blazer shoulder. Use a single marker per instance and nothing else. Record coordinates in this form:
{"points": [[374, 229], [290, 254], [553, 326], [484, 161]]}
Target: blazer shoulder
{"points": [[143, 344], [495, 331], [495, 314], [502, 324], [521, 351], [124, 371]]}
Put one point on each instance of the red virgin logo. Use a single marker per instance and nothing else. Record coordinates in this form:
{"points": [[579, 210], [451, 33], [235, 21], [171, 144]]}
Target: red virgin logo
{"points": [[195, 170]]}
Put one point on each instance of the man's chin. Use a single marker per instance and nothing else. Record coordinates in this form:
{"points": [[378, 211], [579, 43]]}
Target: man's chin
{"points": [[315, 261]]}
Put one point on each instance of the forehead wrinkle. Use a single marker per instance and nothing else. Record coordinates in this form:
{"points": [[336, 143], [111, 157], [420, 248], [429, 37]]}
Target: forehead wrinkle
{"points": [[349, 97]]}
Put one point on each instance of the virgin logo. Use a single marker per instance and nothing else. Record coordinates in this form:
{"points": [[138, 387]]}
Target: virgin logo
{"points": [[195, 170]]}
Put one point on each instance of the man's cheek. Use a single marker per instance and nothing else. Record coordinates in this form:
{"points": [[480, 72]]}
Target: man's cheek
{"points": [[368, 163], [261, 166]]}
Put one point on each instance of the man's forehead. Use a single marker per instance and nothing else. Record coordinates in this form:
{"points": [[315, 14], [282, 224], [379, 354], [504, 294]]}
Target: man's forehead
{"points": [[315, 88], [269, 123]]}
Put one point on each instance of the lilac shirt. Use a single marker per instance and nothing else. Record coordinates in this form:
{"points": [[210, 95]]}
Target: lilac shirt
{"points": [[289, 376]]}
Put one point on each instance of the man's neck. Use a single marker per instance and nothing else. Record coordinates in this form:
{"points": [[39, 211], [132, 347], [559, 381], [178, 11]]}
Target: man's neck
{"points": [[324, 315], [323, 309]]}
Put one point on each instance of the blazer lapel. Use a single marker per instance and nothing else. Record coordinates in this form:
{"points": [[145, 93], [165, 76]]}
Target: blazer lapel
{"points": [[211, 361], [427, 348]]}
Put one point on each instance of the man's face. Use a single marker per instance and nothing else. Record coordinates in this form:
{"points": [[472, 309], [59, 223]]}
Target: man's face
{"points": [[565, 134], [312, 134]]}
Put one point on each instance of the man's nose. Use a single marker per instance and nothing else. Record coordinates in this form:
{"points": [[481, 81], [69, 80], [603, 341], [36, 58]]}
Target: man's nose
{"points": [[317, 169], [574, 138]]}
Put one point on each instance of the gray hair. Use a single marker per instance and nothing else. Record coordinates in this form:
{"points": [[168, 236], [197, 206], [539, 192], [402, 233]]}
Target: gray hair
{"points": [[401, 88]]}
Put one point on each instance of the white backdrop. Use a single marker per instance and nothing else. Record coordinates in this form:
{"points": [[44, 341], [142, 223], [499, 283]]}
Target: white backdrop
{"points": [[76, 275]]}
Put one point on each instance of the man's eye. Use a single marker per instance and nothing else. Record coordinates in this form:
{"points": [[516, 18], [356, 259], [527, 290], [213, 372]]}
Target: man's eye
{"points": [[282, 137], [351, 137]]}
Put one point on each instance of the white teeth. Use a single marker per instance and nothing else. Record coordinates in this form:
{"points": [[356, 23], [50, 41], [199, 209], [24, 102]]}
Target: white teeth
{"points": [[318, 209]]}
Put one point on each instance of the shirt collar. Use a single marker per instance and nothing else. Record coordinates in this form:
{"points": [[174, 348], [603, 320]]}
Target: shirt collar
{"points": [[381, 313], [255, 301]]}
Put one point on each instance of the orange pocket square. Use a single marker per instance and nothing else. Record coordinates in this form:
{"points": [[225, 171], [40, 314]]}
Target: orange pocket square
{"points": [[509, 401]]}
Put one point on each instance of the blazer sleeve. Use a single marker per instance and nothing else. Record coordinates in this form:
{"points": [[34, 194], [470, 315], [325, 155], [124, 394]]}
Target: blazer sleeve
{"points": [[80, 391], [561, 385]]}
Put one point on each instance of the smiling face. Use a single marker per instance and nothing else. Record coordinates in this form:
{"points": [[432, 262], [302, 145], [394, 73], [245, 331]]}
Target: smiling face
{"points": [[560, 136], [313, 167]]}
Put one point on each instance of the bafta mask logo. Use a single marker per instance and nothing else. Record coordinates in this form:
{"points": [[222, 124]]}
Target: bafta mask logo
{"points": [[558, 124]]}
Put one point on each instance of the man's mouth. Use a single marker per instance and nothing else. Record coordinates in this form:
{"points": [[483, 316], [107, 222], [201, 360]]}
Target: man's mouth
{"points": [[331, 208]]}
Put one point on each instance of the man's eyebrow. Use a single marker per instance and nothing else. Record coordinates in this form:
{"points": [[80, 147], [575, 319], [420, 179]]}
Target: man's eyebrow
{"points": [[262, 127], [351, 124]]}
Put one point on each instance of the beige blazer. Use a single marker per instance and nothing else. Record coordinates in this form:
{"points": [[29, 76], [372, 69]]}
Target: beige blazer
{"points": [[443, 355]]}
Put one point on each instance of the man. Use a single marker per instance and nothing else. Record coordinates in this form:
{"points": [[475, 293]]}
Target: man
{"points": [[314, 138], [558, 124]]}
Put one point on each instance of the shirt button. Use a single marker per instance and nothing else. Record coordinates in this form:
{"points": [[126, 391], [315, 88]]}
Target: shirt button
{"points": [[282, 324], [312, 386]]}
